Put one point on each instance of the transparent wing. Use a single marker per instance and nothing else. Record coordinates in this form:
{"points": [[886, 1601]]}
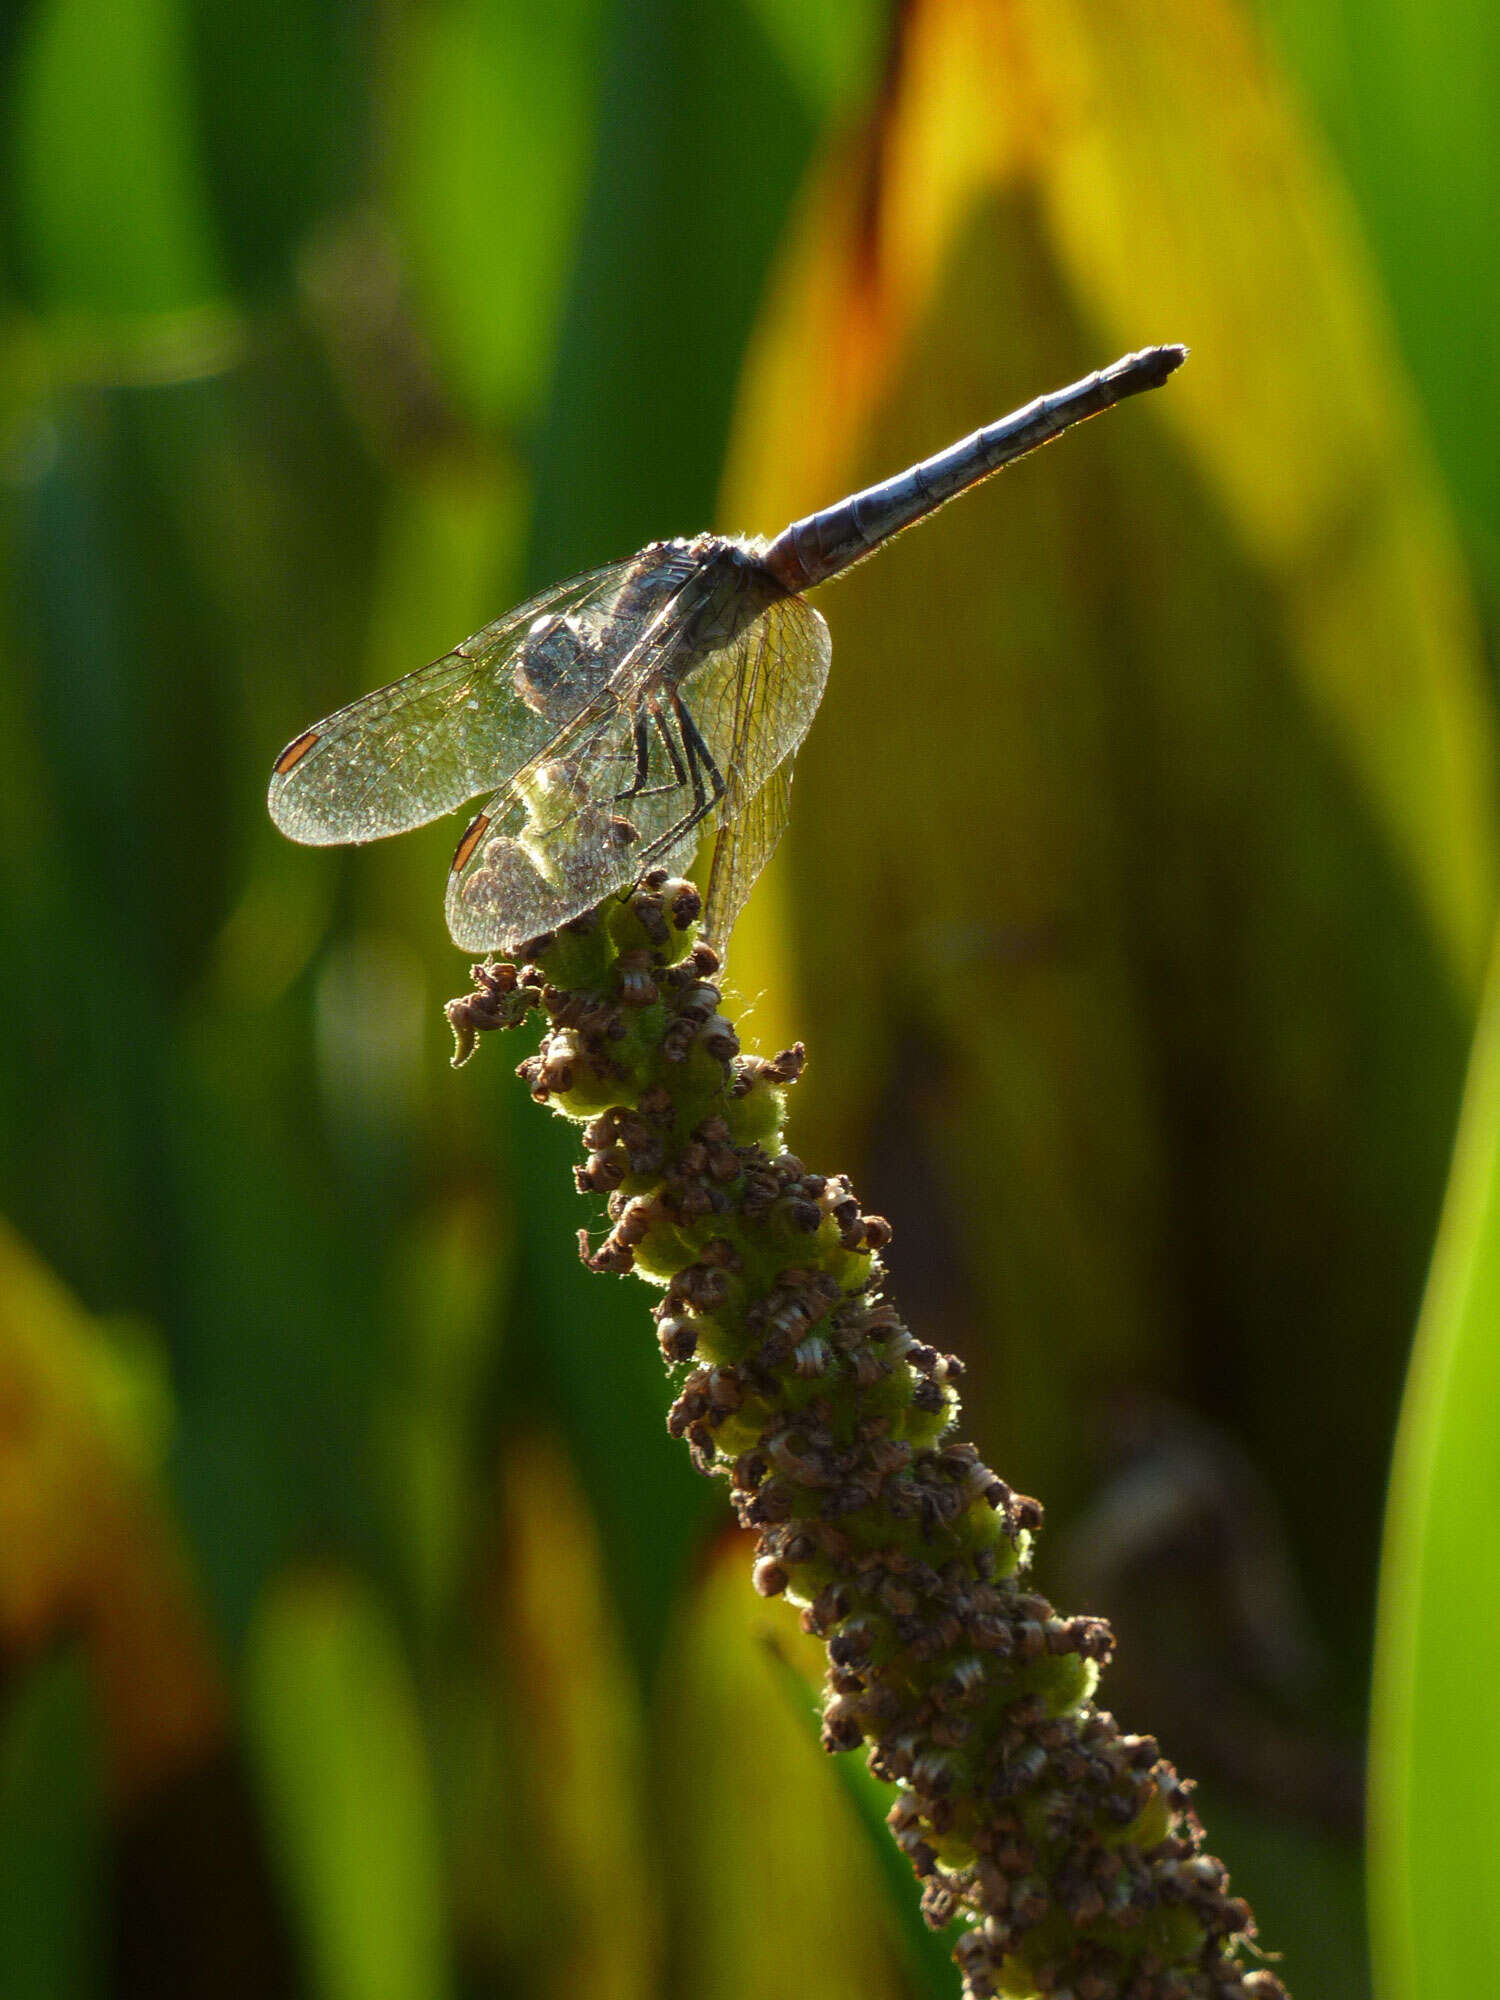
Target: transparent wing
{"points": [[623, 789], [754, 710], [754, 700], [426, 744], [743, 848], [606, 803]]}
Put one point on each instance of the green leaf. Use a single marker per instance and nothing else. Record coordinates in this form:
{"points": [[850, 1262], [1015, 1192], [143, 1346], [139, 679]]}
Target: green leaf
{"points": [[1435, 1743], [595, 1350], [700, 142], [51, 1837], [928, 1953], [553, 1855], [112, 219], [772, 1886], [492, 113], [283, 114], [1408, 93], [344, 1777], [831, 47]]}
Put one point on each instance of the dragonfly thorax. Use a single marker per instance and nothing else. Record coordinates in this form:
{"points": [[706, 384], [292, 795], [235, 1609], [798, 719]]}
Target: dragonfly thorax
{"points": [[716, 586]]}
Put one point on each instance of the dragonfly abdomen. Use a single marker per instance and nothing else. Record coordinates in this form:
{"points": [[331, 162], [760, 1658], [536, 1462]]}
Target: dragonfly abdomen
{"points": [[821, 545]]}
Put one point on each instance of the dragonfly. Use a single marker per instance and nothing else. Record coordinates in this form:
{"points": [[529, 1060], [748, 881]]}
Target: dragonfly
{"points": [[619, 718]]}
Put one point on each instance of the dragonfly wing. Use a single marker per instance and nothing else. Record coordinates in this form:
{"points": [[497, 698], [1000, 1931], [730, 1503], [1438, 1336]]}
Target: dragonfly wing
{"points": [[755, 699], [417, 749], [754, 703], [612, 797], [743, 848]]}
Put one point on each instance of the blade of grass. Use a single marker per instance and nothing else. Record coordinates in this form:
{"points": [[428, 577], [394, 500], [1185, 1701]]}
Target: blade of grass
{"points": [[112, 219], [769, 1886], [927, 1953], [51, 1838], [1435, 1742], [1408, 94], [348, 1791]]}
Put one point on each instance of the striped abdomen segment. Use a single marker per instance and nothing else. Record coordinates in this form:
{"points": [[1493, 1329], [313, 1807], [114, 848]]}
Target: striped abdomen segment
{"points": [[819, 546]]}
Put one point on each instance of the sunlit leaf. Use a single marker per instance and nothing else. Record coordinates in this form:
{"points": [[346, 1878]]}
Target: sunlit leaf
{"points": [[771, 1881], [1408, 93], [1435, 1751], [1116, 706], [1143, 853], [84, 1536], [831, 47], [1295, 405], [1168, 220], [553, 1854], [115, 240], [928, 1954], [343, 1771], [492, 110]]}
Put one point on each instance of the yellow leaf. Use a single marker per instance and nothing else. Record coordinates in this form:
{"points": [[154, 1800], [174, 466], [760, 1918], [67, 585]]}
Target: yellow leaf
{"points": [[768, 1859], [344, 1774], [1148, 825], [578, 1798], [1176, 197], [86, 1544]]}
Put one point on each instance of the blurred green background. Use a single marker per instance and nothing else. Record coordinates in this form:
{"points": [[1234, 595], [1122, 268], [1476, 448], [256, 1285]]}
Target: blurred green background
{"points": [[362, 1635]]}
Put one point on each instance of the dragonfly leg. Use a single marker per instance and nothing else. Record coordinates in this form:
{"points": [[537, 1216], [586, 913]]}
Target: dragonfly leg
{"points": [[699, 756], [638, 788], [700, 767], [640, 730]]}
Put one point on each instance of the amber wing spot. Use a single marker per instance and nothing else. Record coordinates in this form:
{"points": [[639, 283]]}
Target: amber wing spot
{"points": [[294, 752], [473, 834]]}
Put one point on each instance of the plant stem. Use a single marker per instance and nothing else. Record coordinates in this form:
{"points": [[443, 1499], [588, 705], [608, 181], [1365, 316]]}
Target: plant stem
{"points": [[1070, 1846]]}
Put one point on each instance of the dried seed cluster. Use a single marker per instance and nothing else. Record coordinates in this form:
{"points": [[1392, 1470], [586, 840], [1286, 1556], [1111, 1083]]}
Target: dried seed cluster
{"points": [[1070, 1847]]}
